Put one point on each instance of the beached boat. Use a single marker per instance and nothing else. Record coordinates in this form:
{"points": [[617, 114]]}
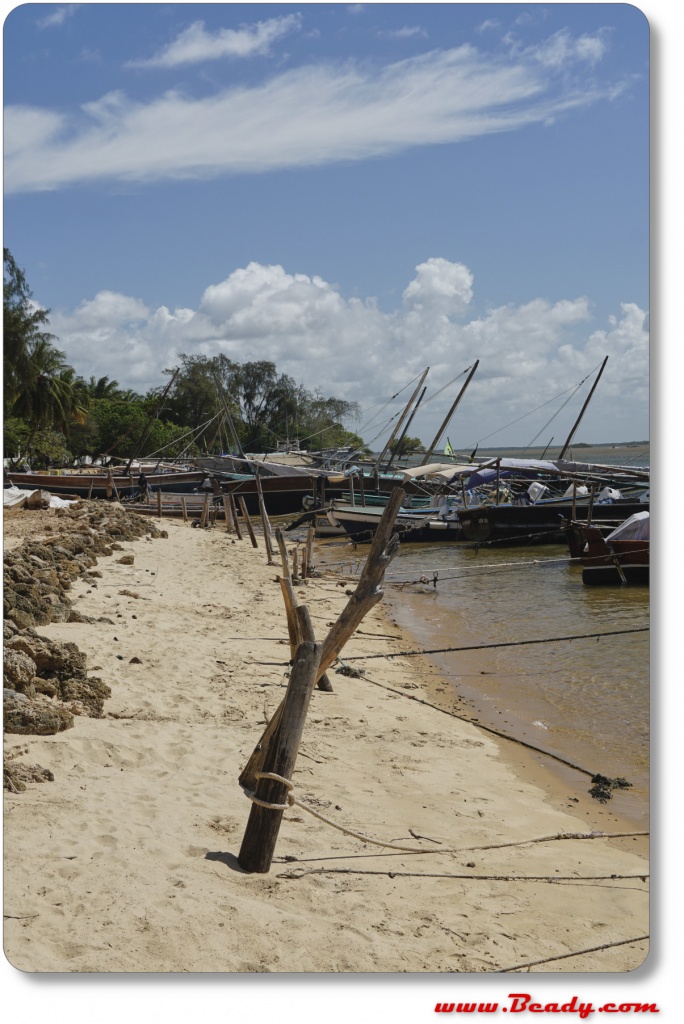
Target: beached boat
{"points": [[99, 483], [621, 556], [414, 525]]}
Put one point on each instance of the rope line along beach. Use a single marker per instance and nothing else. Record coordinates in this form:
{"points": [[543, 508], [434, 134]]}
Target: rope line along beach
{"points": [[293, 801]]}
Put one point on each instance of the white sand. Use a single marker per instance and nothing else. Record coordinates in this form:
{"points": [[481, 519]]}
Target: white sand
{"points": [[127, 861]]}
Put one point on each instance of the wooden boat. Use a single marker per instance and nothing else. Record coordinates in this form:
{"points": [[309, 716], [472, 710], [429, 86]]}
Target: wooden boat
{"points": [[621, 556], [414, 525], [101, 484], [545, 522]]}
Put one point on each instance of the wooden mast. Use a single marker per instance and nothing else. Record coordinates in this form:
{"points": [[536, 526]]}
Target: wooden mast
{"points": [[579, 418], [402, 418], [451, 412]]}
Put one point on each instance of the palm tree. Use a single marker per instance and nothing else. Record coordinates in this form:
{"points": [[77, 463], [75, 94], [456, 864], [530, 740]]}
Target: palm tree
{"points": [[49, 394]]}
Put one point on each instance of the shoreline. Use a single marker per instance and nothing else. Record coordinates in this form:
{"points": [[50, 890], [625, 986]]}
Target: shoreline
{"points": [[146, 817]]}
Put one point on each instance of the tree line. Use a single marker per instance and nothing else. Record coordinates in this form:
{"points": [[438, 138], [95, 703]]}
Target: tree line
{"points": [[53, 416]]}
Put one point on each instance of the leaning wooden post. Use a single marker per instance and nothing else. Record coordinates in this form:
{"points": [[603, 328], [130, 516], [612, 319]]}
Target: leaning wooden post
{"points": [[295, 568], [90, 490], [248, 521], [368, 591], [159, 503], [184, 507], [263, 826], [234, 516], [264, 522]]}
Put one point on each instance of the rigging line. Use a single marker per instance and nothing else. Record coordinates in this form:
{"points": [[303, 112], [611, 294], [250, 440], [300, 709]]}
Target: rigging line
{"points": [[573, 387], [556, 413], [447, 385], [489, 647], [196, 431]]}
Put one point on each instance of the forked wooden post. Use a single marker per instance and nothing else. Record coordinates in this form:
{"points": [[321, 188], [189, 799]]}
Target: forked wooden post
{"points": [[263, 826], [366, 596], [248, 521]]}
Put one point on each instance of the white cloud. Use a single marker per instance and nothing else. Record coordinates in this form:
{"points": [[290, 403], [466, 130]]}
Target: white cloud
{"points": [[351, 349], [309, 116], [194, 44], [58, 16]]}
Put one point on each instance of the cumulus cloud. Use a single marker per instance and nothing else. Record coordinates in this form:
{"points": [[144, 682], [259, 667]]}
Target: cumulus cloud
{"points": [[195, 45], [308, 116], [348, 347]]}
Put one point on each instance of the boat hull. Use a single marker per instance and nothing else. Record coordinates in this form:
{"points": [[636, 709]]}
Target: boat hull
{"points": [[544, 523], [98, 485]]}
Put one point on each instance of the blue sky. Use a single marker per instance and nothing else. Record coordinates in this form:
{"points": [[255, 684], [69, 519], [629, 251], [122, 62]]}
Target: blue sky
{"points": [[353, 191]]}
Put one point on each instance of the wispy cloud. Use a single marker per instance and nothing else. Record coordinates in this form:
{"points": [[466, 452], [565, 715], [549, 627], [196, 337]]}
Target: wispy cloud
{"points": [[195, 45], [58, 16], [408, 32], [309, 116]]}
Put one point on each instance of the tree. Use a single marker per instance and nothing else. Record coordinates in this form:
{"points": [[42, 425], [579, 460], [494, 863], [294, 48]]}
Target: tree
{"points": [[23, 324], [407, 446]]}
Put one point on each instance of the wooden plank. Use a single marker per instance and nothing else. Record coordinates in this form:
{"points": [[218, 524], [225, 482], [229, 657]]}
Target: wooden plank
{"points": [[248, 521]]}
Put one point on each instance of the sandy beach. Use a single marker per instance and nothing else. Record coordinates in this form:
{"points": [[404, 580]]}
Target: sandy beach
{"points": [[127, 860]]}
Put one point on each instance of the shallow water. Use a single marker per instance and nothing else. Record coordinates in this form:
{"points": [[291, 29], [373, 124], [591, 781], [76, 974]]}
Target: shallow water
{"points": [[586, 700]]}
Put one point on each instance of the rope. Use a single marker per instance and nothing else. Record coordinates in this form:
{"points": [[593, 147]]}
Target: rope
{"points": [[294, 801], [489, 647]]}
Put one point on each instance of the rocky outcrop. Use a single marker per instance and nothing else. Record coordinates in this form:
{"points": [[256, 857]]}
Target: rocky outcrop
{"points": [[46, 682]]}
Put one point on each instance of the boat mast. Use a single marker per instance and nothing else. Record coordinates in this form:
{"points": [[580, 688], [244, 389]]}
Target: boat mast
{"points": [[229, 418], [579, 418], [157, 411], [405, 430], [402, 418], [452, 410]]}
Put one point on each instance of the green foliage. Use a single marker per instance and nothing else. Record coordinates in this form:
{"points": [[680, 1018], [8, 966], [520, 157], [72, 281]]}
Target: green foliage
{"points": [[40, 448], [407, 446]]}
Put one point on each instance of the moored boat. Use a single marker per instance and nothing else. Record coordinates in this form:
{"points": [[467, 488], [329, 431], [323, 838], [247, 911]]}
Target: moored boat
{"points": [[621, 556]]}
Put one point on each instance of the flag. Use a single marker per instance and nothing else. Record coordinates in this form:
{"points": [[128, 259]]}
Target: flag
{"points": [[448, 450]]}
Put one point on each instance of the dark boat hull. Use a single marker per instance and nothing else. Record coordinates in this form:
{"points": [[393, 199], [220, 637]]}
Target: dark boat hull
{"points": [[544, 523]]}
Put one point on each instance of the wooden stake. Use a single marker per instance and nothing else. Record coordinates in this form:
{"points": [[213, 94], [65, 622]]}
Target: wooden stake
{"points": [[263, 826], [90, 491], [283, 553], [295, 568], [248, 521], [184, 506], [228, 515], [309, 548], [159, 503], [264, 522], [205, 512], [234, 516]]}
